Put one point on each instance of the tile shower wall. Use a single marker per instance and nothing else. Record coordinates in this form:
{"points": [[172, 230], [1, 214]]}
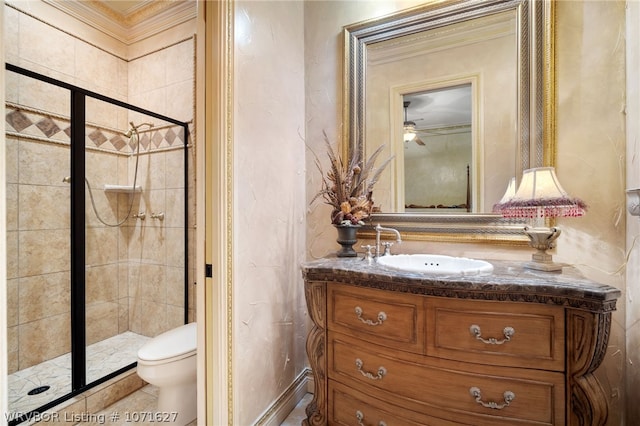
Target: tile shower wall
{"points": [[163, 81], [145, 257]]}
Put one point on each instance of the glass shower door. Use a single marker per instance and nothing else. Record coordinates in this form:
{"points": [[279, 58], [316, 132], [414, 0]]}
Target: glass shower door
{"points": [[96, 237], [134, 233], [38, 243]]}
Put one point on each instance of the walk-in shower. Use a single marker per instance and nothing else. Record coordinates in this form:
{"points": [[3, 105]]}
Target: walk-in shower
{"points": [[97, 239], [134, 140]]}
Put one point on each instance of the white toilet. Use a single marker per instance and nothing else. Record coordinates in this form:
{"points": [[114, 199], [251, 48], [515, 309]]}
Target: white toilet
{"points": [[168, 361]]}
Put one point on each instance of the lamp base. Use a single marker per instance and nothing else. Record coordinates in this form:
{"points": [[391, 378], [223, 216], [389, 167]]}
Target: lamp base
{"points": [[544, 266], [542, 239]]}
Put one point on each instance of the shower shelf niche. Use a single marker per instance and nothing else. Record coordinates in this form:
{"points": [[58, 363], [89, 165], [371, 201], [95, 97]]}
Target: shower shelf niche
{"points": [[122, 189]]}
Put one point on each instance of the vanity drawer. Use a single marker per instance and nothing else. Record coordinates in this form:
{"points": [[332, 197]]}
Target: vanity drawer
{"points": [[498, 333], [347, 406], [393, 320], [466, 393]]}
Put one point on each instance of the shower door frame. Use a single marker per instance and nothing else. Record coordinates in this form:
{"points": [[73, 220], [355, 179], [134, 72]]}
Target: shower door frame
{"points": [[77, 121]]}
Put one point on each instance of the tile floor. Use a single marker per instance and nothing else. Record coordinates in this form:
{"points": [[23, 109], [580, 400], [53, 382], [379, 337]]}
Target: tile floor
{"points": [[145, 399], [103, 358]]}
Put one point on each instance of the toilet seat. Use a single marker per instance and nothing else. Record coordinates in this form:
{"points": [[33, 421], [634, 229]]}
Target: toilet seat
{"points": [[172, 345]]}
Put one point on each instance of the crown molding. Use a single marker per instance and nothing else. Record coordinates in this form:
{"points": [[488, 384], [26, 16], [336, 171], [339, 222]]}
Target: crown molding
{"points": [[136, 24]]}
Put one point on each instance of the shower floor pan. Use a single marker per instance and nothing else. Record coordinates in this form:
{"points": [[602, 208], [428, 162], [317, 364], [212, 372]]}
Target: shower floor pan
{"points": [[103, 358]]}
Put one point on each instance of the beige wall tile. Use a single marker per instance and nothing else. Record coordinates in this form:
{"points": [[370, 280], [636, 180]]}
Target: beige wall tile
{"points": [[148, 245], [123, 88], [11, 33], [175, 317], [102, 284], [175, 286], [96, 69], [41, 44], [12, 254], [12, 207], [44, 207], [175, 169], [43, 296], [11, 162], [101, 168], [180, 62], [102, 113], [155, 204], [45, 96], [102, 321], [114, 392], [154, 318], [175, 247], [129, 206], [12, 338], [43, 164], [12, 86], [154, 100], [123, 279], [152, 169], [174, 212], [123, 169], [101, 245], [153, 284], [135, 315], [147, 73], [43, 251], [123, 315], [13, 302], [180, 100], [13, 362], [35, 342]]}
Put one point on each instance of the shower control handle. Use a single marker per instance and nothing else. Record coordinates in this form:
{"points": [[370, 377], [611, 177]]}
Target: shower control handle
{"points": [[140, 215], [159, 216]]}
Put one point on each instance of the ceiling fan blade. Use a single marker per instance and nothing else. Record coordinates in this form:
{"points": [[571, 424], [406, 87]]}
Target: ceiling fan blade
{"points": [[419, 141]]}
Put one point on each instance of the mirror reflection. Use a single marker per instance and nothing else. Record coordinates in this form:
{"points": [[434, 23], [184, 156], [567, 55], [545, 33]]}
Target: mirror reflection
{"points": [[457, 87], [438, 150], [502, 51]]}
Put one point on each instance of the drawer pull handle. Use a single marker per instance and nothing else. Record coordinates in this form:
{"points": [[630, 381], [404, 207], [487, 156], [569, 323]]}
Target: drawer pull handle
{"points": [[508, 333], [382, 317], [381, 371], [508, 397], [360, 418]]}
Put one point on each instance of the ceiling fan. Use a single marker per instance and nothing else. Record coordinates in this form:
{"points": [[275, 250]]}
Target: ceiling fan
{"points": [[409, 128]]}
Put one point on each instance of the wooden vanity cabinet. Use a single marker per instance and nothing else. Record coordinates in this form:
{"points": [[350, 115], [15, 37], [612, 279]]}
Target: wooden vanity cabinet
{"points": [[385, 354]]}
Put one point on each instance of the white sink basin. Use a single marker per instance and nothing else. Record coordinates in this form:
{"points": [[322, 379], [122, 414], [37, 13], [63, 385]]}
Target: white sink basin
{"points": [[435, 264]]}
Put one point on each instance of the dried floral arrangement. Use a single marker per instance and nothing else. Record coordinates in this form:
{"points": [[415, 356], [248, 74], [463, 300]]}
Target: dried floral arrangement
{"points": [[348, 186]]}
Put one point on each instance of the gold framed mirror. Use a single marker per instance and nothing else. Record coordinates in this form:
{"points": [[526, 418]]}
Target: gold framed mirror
{"points": [[503, 51]]}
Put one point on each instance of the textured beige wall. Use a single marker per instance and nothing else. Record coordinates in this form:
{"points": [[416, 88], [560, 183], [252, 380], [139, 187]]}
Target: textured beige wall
{"points": [[269, 311], [591, 159], [591, 146], [633, 223]]}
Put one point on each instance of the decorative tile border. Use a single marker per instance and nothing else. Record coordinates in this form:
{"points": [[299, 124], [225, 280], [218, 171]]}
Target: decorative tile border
{"points": [[30, 123]]}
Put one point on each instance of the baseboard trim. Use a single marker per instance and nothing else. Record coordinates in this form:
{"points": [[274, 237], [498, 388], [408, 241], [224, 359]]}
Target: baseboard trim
{"points": [[287, 401]]}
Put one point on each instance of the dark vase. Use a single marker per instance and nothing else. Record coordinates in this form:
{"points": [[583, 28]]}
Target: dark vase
{"points": [[347, 237]]}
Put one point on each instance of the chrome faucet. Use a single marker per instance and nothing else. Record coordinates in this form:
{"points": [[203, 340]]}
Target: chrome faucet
{"points": [[379, 230]]}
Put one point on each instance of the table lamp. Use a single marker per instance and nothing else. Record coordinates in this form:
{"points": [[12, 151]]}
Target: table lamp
{"points": [[540, 196]]}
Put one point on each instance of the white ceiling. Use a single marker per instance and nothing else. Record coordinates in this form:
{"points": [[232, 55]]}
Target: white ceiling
{"points": [[440, 108]]}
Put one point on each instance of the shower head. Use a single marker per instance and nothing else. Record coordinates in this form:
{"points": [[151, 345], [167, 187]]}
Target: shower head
{"points": [[134, 128]]}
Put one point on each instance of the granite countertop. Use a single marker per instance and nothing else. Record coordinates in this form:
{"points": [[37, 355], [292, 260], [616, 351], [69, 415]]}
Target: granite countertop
{"points": [[509, 281]]}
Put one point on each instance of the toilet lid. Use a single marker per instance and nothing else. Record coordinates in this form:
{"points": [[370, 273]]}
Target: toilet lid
{"points": [[170, 344]]}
